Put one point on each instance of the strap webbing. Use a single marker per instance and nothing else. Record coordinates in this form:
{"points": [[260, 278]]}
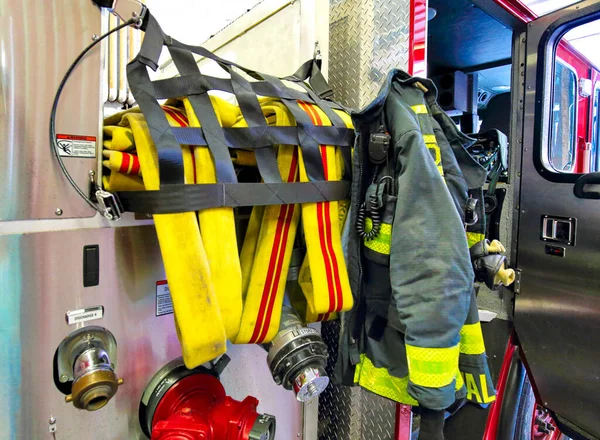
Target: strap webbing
{"points": [[257, 136], [184, 198]]}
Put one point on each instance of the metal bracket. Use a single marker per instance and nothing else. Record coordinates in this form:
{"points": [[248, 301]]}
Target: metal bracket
{"points": [[110, 205], [126, 9], [517, 285]]}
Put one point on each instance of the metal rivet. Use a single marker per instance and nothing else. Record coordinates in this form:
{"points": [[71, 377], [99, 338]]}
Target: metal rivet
{"points": [[52, 420], [95, 37], [528, 87], [58, 211], [64, 378]]}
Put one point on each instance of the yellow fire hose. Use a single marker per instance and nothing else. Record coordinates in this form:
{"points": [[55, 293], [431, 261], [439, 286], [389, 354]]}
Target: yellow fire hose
{"points": [[198, 319], [323, 275], [218, 295]]}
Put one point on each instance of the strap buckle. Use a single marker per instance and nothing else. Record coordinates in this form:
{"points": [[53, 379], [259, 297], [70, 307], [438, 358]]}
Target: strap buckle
{"points": [[109, 204]]}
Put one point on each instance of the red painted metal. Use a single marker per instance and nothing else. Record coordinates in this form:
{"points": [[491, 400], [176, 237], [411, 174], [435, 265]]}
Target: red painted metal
{"points": [[491, 426], [196, 408], [582, 67], [518, 9], [541, 415], [403, 422], [417, 51], [583, 155]]}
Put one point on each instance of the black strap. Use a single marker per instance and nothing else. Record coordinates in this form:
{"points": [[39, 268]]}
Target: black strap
{"points": [[187, 198], [261, 137], [174, 196], [185, 85], [203, 108], [170, 160]]}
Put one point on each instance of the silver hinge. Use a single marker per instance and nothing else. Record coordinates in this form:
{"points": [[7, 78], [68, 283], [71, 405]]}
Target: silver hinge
{"points": [[517, 285]]}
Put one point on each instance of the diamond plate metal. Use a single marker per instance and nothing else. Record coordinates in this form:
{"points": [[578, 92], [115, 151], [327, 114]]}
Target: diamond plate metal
{"points": [[367, 38], [351, 413]]}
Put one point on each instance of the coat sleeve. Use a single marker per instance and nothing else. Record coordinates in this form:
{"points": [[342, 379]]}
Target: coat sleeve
{"points": [[430, 271]]}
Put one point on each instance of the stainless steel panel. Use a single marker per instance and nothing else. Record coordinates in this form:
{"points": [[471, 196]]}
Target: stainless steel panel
{"points": [[557, 314], [38, 42], [367, 39], [41, 279]]}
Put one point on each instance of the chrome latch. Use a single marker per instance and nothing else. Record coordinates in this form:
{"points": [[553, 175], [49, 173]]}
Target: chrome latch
{"points": [[109, 204]]}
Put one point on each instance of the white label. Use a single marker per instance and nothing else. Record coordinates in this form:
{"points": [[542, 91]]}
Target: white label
{"points": [[76, 146], [164, 305], [83, 315]]}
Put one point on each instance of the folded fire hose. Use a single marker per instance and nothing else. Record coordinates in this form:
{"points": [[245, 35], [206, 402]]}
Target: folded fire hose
{"points": [[176, 160]]}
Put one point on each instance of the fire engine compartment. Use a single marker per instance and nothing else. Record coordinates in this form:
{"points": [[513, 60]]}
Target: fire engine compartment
{"points": [[48, 236]]}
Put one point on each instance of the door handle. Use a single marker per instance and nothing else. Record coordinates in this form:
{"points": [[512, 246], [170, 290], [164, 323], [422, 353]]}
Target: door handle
{"points": [[587, 179]]}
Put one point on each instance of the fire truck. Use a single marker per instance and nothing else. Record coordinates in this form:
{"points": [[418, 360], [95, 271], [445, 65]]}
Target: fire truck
{"points": [[88, 296]]}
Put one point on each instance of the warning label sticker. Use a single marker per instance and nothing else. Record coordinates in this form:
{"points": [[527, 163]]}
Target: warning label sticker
{"points": [[164, 305], [76, 146]]}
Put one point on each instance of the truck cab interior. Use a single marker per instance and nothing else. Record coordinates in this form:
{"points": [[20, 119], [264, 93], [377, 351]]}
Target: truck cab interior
{"points": [[480, 56]]}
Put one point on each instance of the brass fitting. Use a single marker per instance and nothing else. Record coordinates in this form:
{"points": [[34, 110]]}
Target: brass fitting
{"points": [[87, 357], [93, 391]]}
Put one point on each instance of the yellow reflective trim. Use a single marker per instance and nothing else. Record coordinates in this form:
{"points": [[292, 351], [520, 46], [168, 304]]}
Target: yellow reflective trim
{"points": [[432, 367], [382, 243], [484, 391], [379, 381], [429, 139], [419, 109], [472, 389], [474, 237], [471, 339]]}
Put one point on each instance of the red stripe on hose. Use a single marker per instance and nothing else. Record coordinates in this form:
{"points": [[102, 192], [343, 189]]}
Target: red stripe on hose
{"points": [[124, 168], [324, 218], [336, 273], [277, 256], [135, 165], [177, 116]]}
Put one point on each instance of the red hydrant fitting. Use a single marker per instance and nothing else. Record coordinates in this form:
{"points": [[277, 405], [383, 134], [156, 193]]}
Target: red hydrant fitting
{"points": [[192, 405]]}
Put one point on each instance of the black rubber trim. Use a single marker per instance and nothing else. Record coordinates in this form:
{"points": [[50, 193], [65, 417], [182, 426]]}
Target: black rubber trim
{"points": [[512, 396], [587, 179]]}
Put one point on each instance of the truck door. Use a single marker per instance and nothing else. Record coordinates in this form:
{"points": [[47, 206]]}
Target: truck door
{"points": [[557, 309]]}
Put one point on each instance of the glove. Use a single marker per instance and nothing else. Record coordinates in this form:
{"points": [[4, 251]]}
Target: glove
{"points": [[432, 424], [489, 265]]}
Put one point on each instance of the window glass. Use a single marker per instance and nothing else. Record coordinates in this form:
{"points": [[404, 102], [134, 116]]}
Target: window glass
{"points": [[561, 152], [585, 39], [543, 7]]}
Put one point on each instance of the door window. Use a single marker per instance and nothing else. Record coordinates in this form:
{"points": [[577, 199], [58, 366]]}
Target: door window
{"points": [[561, 154], [570, 145]]}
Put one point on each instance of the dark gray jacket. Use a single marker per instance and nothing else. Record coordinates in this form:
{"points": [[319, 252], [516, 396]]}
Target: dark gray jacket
{"points": [[415, 317]]}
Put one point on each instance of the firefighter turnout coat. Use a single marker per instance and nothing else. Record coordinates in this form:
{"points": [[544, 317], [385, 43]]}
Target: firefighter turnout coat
{"points": [[414, 335]]}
